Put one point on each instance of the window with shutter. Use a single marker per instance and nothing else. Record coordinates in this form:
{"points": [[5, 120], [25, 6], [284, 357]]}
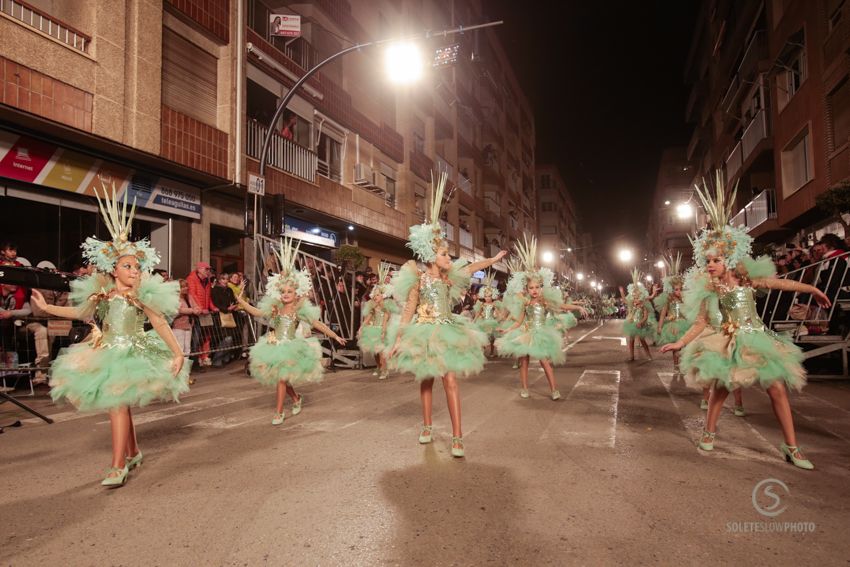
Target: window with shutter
{"points": [[189, 78]]}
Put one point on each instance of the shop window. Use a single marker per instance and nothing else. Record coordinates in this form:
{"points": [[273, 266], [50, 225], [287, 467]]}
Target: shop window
{"points": [[797, 166], [189, 78]]}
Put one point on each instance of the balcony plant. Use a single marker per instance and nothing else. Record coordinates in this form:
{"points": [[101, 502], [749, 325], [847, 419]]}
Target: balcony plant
{"points": [[349, 257], [836, 202]]}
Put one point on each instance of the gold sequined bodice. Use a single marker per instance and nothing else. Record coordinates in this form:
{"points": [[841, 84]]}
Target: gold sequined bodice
{"points": [[738, 310], [434, 301], [284, 325], [637, 309], [535, 315], [488, 311], [378, 316], [675, 310], [123, 322]]}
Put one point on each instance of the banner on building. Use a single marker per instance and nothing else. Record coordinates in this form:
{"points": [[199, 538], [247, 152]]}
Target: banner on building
{"points": [[40, 163], [285, 25]]}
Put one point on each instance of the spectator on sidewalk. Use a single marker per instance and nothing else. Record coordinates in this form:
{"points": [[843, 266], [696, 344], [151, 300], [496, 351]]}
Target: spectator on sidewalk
{"points": [[38, 329], [200, 290], [11, 307], [183, 323]]}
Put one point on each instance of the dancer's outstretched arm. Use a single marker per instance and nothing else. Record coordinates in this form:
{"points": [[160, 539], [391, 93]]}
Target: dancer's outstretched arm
{"points": [[791, 285], [484, 264], [698, 327], [322, 328], [83, 311], [249, 308], [661, 319]]}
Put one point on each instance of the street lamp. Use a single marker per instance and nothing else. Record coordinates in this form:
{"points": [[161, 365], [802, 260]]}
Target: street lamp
{"points": [[649, 278], [403, 63], [684, 211], [548, 257], [579, 276], [660, 264], [626, 255], [667, 203]]}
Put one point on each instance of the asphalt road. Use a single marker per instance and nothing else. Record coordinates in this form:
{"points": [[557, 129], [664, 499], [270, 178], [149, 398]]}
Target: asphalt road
{"points": [[608, 475]]}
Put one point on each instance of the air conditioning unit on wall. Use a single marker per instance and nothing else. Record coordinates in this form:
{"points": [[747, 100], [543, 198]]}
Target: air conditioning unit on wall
{"points": [[363, 175]]}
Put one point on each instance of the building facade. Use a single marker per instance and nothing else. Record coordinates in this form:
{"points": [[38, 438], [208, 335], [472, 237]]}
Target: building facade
{"points": [[171, 101], [770, 102], [558, 221]]}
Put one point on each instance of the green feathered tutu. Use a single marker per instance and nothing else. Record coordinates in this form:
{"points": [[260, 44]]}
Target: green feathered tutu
{"points": [[673, 331], [487, 326], [370, 339], [542, 343], [106, 378], [432, 350], [631, 330], [565, 321], [124, 366], [296, 361], [745, 359]]}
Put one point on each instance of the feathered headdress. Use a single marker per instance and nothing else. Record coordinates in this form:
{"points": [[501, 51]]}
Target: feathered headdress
{"points": [[289, 274], [636, 288], [526, 251], [426, 238], [383, 289], [674, 276], [488, 288], [720, 238], [104, 255]]}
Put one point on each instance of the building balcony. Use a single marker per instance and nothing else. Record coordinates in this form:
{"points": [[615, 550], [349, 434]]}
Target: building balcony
{"points": [[734, 162], [32, 17], [421, 165], [757, 212], [283, 154], [449, 230], [754, 134], [465, 238]]}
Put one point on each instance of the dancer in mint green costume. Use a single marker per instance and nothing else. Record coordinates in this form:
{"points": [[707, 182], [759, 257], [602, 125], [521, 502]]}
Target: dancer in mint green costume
{"points": [[282, 358], [378, 330], [121, 365], [672, 322], [640, 316], [536, 307], [729, 347], [486, 311], [432, 342]]}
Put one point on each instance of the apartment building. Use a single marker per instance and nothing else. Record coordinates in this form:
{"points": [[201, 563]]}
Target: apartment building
{"points": [[673, 216], [770, 106], [171, 101], [558, 221]]}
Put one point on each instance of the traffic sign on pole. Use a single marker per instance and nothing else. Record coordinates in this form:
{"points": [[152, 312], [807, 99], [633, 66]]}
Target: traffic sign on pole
{"points": [[256, 184]]}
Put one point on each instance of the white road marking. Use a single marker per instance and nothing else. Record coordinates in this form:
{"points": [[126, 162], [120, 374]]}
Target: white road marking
{"points": [[599, 389], [176, 410], [621, 339], [694, 424], [581, 338]]}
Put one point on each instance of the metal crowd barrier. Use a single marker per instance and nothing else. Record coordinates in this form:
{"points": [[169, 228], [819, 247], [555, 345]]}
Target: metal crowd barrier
{"points": [[819, 331]]}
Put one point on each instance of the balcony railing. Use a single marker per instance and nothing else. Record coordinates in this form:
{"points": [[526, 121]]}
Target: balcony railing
{"points": [[45, 23], [465, 185], [449, 229], [465, 238], [759, 210], [283, 154], [491, 204], [734, 162], [756, 132]]}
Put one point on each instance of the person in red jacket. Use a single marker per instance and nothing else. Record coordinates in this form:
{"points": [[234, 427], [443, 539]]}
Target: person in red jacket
{"points": [[200, 289]]}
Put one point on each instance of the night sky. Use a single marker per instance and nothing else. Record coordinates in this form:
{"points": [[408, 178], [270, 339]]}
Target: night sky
{"points": [[606, 83]]}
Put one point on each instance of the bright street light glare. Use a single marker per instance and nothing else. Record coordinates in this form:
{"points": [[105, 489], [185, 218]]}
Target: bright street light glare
{"points": [[579, 276], [593, 284], [648, 278], [625, 255], [684, 211], [569, 249], [659, 264], [666, 203], [403, 62], [548, 257]]}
